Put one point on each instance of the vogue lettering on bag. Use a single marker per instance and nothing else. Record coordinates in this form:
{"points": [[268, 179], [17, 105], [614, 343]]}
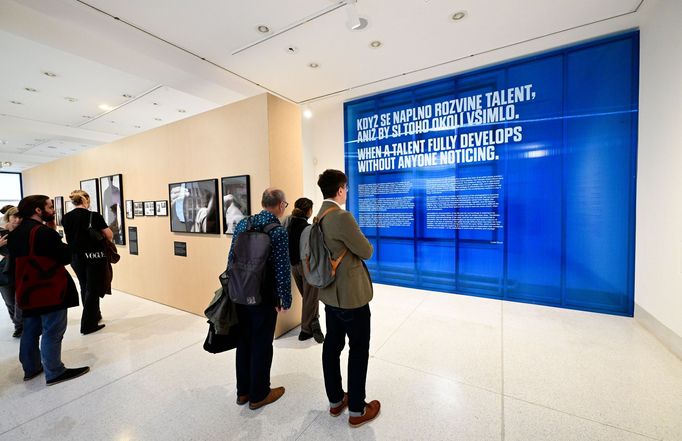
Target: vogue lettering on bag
{"points": [[95, 255]]}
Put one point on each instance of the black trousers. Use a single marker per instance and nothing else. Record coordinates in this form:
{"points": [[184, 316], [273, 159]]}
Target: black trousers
{"points": [[355, 323], [254, 350], [89, 296]]}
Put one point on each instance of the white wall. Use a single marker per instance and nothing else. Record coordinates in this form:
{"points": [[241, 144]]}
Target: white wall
{"points": [[658, 285], [658, 265]]}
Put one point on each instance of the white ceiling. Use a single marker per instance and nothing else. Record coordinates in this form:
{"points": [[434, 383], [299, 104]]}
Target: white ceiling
{"points": [[157, 61]]}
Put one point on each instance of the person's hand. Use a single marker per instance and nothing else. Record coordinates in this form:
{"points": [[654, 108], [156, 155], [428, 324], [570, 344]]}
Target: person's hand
{"points": [[281, 309], [3, 241]]}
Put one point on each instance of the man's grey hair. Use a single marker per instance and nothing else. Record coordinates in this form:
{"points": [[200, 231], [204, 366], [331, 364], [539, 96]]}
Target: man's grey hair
{"points": [[272, 197]]}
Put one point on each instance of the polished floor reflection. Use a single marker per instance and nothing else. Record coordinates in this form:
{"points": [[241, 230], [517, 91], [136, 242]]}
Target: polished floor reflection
{"points": [[445, 367]]}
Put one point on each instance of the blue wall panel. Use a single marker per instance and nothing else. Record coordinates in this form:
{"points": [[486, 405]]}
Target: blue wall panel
{"points": [[516, 181]]}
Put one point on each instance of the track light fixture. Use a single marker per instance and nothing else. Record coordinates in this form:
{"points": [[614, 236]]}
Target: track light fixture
{"points": [[353, 21]]}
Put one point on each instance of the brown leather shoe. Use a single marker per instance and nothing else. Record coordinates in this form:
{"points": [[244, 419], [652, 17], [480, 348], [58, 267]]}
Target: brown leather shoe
{"points": [[242, 399], [274, 395], [338, 410], [371, 412]]}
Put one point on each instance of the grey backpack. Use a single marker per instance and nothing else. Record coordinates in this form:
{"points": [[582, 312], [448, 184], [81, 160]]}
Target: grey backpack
{"points": [[319, 268], [248, 273]]}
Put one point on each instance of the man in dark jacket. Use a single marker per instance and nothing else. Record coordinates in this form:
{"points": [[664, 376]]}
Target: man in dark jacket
{"points": [[41, 318]]}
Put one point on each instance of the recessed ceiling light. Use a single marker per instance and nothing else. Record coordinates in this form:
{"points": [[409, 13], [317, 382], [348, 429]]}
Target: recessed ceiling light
{"points": [[49, 74], [16, 102], [70, 99], [138, 127], [86, 116], [158, 119], [112, 121], [155, 104], [30, 89], [126, 95], [458, 15], [313, 65], [105, 107], [182, 111], [263, 29], [375, 44]]}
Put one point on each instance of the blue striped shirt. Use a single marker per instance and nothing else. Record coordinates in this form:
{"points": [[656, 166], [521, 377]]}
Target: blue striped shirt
{"points": [[279, 256]]}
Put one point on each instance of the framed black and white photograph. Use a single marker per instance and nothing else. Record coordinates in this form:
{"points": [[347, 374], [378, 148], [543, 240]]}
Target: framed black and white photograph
{"points": [[236, 201], [130, 213], [138, 208], [161, 208], [112, 206], [149, 208], [91, 187], [194, 207], [58, 210]]}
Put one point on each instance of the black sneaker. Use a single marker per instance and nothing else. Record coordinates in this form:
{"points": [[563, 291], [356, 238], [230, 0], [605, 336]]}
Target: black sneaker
{"points": [[69, 374], [28, 377], [17, 333], [319, 336], [95, 329], [303, 336]]}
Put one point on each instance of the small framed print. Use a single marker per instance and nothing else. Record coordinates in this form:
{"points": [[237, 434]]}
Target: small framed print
{"points": [[149, 208], [161, 208], [138, 208], [58, 210], [130, 213]]}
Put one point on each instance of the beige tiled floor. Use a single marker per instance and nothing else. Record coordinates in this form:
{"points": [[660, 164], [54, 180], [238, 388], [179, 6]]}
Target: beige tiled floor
{"points": [[445, 367]]}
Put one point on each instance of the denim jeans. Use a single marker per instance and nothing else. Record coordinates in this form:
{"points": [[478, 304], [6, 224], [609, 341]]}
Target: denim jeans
{"points": [[355, 323], [52, 326], [10, 302]]}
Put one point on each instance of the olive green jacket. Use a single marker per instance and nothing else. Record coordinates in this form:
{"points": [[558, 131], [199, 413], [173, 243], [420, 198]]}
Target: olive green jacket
{"points": [[352, 287]]}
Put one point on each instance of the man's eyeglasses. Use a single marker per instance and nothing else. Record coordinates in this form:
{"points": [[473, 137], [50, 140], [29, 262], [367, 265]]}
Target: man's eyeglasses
{"points": [[286, 204]]}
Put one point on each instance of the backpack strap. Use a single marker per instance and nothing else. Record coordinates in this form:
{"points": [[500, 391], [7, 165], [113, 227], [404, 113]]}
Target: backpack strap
{"points": [[334, 262], [269, 227]]}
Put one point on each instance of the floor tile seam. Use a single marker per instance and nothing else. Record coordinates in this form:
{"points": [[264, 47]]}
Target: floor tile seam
{"points": [[613, 426], [116, 380], [307, 427], [400, 325], [442, 377]]}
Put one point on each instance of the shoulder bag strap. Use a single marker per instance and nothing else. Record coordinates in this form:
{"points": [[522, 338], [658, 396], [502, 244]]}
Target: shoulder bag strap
{"points": [[31, 241]]}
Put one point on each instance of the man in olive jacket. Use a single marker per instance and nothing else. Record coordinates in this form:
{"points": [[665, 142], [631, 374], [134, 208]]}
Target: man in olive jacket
{"points": [[346, 304]]}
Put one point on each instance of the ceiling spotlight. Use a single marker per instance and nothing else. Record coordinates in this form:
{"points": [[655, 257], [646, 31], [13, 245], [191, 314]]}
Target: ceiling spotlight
{"points": [[307, 113], [263, 29], [49, 74], [16, 102], [182, 111], [292, 50], [458, 15], [375, 44], [313, 65], [126, 95], [30, 89], [353, 21], [105, 107], [70, 99]]}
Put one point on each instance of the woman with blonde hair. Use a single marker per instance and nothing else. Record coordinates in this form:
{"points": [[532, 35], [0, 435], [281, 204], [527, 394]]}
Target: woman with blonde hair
{"points": [[10, 220], [89, 260]]}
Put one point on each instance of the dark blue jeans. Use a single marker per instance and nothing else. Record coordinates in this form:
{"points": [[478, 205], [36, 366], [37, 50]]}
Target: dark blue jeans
{"points": [[254, 350], [355, 323], [52, 327]]}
